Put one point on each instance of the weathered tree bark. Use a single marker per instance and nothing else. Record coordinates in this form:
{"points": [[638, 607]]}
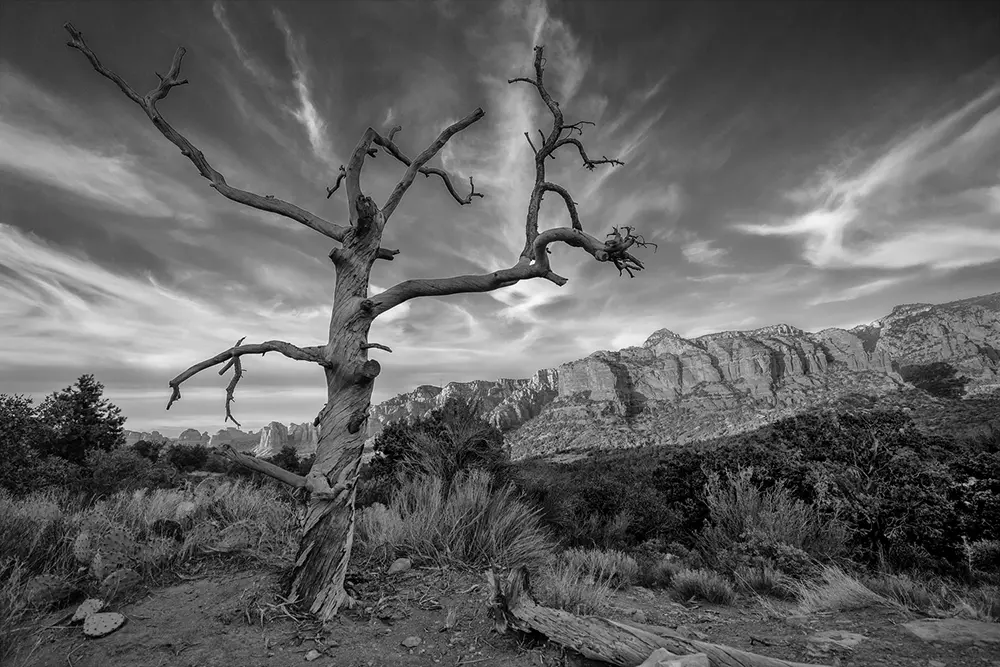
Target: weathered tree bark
{"points": [[324, 552], [599, 638]]}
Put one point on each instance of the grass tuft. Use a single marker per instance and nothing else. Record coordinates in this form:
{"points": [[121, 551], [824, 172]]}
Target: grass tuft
{"points": [[702, 585]]}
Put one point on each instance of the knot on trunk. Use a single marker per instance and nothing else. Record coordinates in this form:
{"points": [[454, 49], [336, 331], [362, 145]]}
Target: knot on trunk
{"points": [[367, 210], [368, 372], [357, 419]]}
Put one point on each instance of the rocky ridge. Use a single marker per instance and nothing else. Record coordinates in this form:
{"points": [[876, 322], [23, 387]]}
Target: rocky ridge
{"points": [[673, 390]]}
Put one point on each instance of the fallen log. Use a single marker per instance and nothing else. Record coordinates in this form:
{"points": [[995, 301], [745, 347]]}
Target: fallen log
{"points": [[597, 638]]}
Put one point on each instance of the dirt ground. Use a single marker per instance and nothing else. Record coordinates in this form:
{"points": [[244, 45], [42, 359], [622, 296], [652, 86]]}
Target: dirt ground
{"points": [[219, 617]]}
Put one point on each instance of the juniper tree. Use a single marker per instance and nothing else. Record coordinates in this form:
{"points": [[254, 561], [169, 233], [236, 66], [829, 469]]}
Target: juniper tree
{"points": [[325, 547]]}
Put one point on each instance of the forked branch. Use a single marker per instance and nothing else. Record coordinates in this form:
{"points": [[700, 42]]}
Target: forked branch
{"points": [[232, 356], [549, 144], [533, 261], [415, 166], [218, 181]]}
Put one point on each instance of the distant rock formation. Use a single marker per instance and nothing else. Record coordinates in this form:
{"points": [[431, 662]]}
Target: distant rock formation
{"points": [[672, 389], [191, 437], [275, 436], [237, 439], [132, 437]]}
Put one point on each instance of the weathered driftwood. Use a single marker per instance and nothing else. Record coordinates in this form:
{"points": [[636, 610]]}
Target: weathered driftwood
{"points": [[603, 639]]}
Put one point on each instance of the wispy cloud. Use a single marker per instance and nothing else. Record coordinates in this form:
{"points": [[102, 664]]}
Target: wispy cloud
{"points": [[931, 165], [307, 114]]}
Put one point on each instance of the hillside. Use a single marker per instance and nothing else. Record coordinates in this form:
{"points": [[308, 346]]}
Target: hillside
{"points": [[674, 390]]}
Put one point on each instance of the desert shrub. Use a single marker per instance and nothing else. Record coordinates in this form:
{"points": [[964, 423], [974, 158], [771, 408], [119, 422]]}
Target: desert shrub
{"points": [[477, 523], [187, 458], [984, 555], [658, 572], [287, 458], [451, 439], [564, 585], [618, 569], [753, 527], [120, 469], [148, 450], [703, 585]]}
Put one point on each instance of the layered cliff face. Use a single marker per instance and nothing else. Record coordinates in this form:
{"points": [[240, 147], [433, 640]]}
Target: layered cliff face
{"points": [[965, 333], [132, 437], [673, 390]]}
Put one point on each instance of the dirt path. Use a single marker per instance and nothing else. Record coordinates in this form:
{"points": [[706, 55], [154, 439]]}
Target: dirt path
{"points": [[226, 618]]}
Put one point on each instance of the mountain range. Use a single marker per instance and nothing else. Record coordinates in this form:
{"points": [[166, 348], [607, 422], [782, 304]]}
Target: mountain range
{"points": [[674, 390]]}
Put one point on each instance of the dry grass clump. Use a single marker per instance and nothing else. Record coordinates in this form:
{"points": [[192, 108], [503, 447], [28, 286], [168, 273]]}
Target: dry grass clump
{"points": [[476, 523], [705, 585], [837, 590], [616, 568], [766, 581], [564, 585]]}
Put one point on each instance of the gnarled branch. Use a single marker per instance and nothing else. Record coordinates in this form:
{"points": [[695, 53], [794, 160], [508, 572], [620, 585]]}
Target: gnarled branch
{"points": [[218, 181], [546, 150], [587, 162], [614, 251], [232, 356], [417, 164]]}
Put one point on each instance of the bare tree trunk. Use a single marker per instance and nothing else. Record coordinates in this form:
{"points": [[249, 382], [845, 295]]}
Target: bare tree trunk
{"points": [[325, 548]]}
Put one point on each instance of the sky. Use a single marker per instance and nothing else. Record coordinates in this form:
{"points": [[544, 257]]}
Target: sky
{"points": [[807, 163]]}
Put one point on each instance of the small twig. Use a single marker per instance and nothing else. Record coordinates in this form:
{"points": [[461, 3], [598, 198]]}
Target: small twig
{"points": [[340, 177], [378, 346]]}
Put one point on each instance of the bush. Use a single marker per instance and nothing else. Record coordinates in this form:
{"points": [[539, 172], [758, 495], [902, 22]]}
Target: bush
{"points": [[984, 556], [764, 580], [448, 441], [187, 458], [117, 470], [703, 585], [753, 527]]}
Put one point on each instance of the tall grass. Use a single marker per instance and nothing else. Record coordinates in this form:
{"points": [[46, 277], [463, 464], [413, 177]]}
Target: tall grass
{"points": [[564, 584], [476, 522], [37, 534], [617, 569]]}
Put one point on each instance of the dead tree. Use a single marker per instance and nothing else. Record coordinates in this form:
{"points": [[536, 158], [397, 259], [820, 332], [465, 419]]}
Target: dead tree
{"points": [[325, 548]]}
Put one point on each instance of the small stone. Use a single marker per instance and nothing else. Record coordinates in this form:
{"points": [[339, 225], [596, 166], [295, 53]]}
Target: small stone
{"points": [[411, 642], [400, 565], [936, 663], [312, 655]]}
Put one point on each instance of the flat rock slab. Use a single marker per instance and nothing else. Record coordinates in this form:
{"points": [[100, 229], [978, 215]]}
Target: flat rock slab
{"points": [[954, 630]]}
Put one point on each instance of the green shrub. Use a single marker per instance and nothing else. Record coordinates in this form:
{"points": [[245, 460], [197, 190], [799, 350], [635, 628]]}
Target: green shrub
{"points": [[984, 556], [120, 469]]}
